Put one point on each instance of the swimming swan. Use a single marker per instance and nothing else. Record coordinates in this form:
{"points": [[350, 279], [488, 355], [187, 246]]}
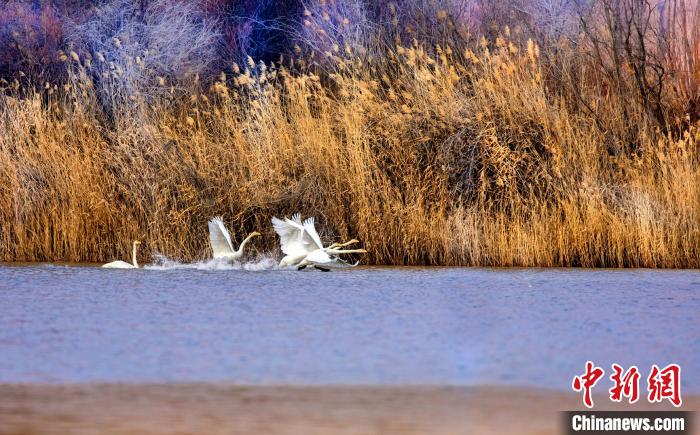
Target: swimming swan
{"points": [[220, 239], [123, 264]]}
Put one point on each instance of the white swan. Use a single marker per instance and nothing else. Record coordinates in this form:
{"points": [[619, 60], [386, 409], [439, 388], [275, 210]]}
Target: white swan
{"points": [[220, 239], [296, 244], [322, 258], [123, 264], [302, 245]]}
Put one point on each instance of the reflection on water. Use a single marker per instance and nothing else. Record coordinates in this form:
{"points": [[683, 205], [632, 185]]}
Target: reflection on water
{"points": [[361, 326]]}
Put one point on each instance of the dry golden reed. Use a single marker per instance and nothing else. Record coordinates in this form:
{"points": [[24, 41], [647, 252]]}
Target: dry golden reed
{"points": [[445, 156]]}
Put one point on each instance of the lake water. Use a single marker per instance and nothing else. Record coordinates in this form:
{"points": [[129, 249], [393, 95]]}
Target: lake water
{"points": [[378, 326]]}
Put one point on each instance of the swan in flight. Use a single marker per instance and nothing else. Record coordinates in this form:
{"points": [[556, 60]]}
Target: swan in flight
{"points": [[302, 245], [220, 239], [123, 264]]}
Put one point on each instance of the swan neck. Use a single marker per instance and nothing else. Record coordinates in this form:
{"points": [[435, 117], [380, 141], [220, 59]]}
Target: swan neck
{"points": [[133, 255], [243, 243], [345, 251]]}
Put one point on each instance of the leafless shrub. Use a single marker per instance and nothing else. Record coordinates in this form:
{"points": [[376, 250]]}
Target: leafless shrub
{"points": [[648, 52], [135, 52], [549, 20], [680, 43]]}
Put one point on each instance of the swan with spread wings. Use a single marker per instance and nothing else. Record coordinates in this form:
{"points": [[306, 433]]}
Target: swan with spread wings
{"points": [[220, 240], [302, 245]]}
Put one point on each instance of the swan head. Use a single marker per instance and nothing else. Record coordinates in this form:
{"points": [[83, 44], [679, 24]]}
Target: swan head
{"points": [[137, 242], [255, 234]]}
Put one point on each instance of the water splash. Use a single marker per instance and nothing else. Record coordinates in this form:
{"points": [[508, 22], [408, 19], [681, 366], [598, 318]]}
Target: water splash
{"points": [[261, 262]]}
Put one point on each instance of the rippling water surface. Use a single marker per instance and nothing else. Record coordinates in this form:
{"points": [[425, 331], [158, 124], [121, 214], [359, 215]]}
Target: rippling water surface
{"points": [[257, 325]]}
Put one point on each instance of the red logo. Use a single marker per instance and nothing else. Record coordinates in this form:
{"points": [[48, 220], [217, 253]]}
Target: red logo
{"points": [[662, 383], [665, 384], [627, 385], [587, 381]]}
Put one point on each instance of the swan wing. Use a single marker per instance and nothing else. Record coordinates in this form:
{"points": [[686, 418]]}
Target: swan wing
{"points": [[295, 222], [338, 263], [291, 238], [310, 235], [296, 218], [220, 238]]}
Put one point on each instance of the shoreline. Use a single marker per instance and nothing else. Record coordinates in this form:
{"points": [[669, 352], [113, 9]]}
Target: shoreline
{"points": [[156, 266], [291, 409]]}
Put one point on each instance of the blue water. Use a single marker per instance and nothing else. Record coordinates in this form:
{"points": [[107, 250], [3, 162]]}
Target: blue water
{"points": [[453, 326]]}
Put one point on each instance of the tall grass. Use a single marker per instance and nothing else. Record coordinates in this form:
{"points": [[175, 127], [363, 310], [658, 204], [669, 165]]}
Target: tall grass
{"points": [[472, 152]]}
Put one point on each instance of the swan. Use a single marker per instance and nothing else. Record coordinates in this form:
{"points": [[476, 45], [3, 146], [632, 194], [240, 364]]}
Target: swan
{"points": [[296, 244], [296, 241], [220, 239], [323, 257], [302, 245], [123, 264]]}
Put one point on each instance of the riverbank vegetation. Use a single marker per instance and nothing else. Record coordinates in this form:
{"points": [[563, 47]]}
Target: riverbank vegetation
{"points": [[437, 132]]}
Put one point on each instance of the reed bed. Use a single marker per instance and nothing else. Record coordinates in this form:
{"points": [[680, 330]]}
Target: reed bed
{"points": [[430, 155]]}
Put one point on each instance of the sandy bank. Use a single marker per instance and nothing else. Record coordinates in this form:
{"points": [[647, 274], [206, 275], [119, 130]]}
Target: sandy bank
{"points": [[219, 409]]}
